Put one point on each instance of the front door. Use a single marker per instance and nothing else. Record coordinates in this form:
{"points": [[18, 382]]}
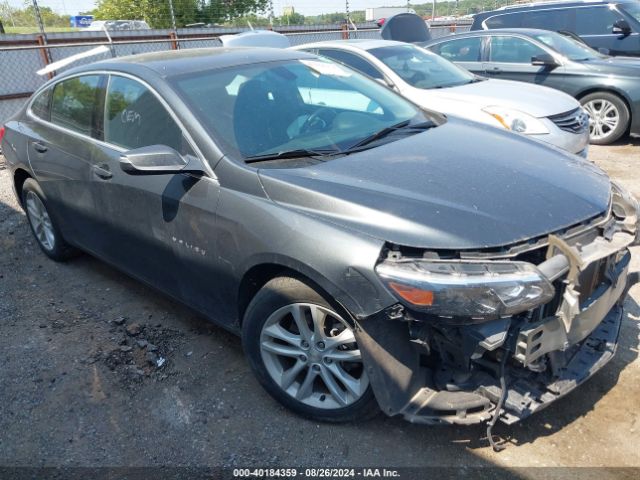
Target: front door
{"points": [[149, 226]]}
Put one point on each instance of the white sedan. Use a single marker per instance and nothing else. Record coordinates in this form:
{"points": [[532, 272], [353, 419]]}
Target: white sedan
{"points": [[437, 84]]}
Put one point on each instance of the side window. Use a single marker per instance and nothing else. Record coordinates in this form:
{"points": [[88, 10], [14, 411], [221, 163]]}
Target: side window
{"points": [[352, 60], [76, 103], [135, 118], [40, 106], [513, 50], [507, 20], [595, 20], [463, 50], [549, 19]]}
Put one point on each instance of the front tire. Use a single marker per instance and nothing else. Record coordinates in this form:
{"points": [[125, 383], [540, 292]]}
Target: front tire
{"points": [[304, 353], [608, 117], [43, 227]]}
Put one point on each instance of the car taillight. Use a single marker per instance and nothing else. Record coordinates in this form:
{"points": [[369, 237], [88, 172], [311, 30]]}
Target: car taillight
{"points": [[1, 133]]}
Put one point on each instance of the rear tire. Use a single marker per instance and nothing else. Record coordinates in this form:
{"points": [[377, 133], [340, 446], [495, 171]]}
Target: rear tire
{"points": [[43, 227], [304, 353], [608, 117]]}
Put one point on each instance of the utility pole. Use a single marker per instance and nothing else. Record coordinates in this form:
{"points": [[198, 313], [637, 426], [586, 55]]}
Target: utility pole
{"points": [[433, 10], [346, 5]]}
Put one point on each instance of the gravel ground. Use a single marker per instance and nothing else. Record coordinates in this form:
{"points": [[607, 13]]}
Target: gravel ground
{"points": [[80, 385]]}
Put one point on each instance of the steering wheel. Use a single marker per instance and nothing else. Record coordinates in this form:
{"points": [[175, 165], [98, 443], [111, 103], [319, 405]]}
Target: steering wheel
{"points": [[318, 120], [418, 77]]}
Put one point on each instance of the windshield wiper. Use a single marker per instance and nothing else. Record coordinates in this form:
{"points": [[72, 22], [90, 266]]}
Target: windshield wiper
{"points": [[406, 125], [301, 152]]}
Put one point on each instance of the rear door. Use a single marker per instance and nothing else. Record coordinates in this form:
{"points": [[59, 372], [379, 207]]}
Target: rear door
{"points": [[61, 143], [466, 52]]}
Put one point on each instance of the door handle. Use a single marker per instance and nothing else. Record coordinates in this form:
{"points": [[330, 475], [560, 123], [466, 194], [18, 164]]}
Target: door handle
{"points": [[494, 70], [39, 147], [102, 171]]}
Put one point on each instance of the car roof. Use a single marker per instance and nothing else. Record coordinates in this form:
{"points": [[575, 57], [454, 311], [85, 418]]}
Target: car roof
{"points": [[359, 44], [173, 62], [474, 33], [544, 5]]}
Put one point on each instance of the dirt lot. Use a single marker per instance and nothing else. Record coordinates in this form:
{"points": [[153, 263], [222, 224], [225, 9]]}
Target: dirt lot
{"points": [[77, 387]]}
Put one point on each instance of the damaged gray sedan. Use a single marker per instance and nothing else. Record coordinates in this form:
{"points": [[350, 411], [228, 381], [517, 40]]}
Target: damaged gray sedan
{"points": [[372, 255]]}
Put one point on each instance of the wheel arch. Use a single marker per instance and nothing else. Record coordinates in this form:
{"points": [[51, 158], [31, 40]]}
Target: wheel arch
{"points": [[611, 90], [20, 176], [257, 276]]}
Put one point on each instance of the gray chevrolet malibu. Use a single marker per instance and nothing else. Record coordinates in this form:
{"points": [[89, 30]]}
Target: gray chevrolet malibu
{"points": [[371, 254]]}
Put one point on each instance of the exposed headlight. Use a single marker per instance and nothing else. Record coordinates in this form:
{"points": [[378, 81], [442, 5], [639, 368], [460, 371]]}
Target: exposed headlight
{"points": [[625, 208], [476, 290], [516, 120]]}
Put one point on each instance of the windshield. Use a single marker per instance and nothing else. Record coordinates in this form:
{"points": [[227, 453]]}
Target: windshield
{"points": [[420, 68], [570, 48], [299, 105], [632, 9]]}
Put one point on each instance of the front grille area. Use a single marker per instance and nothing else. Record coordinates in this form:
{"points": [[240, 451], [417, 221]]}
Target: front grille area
{"points": [[575, 121]]}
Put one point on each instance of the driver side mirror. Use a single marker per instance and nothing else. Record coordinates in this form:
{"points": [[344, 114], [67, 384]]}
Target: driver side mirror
{"points": [[621, 27], [157, 160], [544, 60]]}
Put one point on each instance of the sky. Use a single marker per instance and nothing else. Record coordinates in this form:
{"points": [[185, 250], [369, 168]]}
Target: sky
{"points": [[305, 7]]}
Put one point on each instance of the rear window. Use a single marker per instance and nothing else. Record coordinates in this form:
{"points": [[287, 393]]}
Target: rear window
{"points": [[76, 103]]}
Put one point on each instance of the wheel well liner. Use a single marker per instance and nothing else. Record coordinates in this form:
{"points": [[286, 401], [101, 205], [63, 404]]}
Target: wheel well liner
{"points": [[257, 277], [19, 177]]}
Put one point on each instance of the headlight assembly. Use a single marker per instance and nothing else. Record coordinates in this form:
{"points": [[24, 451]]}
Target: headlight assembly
{"points": [[516, 120], [476, 290], [626, 209]]}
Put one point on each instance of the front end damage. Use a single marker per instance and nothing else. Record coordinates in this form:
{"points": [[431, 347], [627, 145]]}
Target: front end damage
{"points": [[486, 335]]}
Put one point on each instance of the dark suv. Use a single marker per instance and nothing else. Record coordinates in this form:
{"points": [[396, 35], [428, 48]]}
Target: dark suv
{"points": [[612, 26]]}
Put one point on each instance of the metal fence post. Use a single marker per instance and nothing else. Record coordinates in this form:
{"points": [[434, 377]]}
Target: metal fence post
{"points": [[175, 43], [43, 40]]}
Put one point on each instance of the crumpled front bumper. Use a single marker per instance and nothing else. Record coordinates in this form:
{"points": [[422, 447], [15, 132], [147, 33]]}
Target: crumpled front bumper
{"points": [[547, 358]]}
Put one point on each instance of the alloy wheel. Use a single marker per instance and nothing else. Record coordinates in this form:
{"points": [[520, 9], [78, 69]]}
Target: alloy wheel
{"points": [[311, 353], [40, 221], [604, 118]]}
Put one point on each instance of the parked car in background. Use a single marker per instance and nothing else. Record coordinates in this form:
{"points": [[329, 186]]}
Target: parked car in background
{"points": [[113, 25], [370, 253], [610, 25], [435, 83], [607, 87]]}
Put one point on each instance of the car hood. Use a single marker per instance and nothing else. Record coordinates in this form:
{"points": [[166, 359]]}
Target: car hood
{"points": [[532, 99], [626, 66], [457, 186]]}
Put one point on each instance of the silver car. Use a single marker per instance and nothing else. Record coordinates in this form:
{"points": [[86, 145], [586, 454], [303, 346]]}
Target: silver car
{"points": [[436, 83]]}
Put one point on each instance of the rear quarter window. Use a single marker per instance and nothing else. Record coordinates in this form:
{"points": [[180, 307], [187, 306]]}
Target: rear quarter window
{"points": [[41, 105]]}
